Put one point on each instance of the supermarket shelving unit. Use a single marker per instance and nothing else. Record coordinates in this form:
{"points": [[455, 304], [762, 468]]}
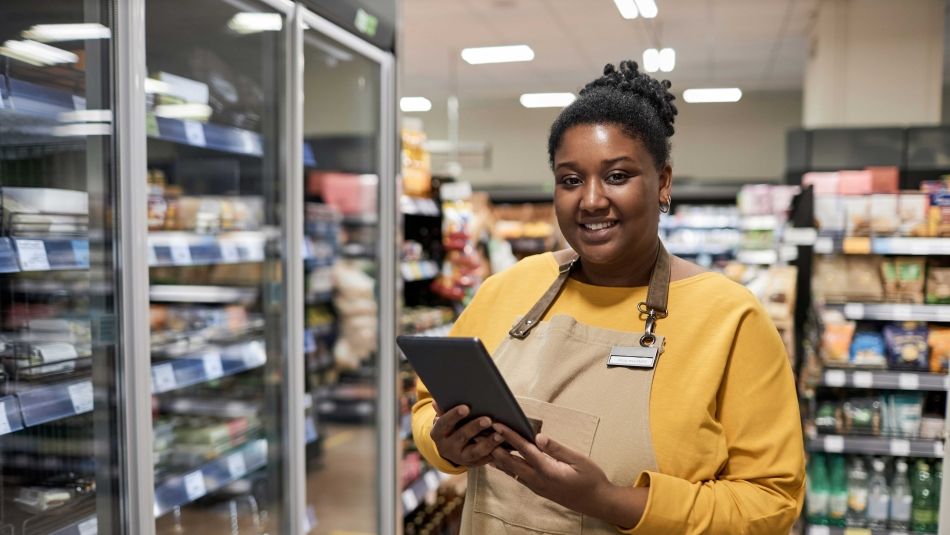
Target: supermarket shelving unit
{"points": [[920, 153]]}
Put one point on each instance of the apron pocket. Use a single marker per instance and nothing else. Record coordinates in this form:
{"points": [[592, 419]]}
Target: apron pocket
{"points": [[500, 496]]}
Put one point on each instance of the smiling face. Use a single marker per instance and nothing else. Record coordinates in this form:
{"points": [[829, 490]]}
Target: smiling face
{"points": [[607, 195]]}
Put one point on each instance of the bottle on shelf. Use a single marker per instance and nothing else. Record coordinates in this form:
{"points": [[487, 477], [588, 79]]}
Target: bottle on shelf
{"points": [[818, 490], [838, 495], [924, 508], [938, 486], [857, 494], [879, 496], [901, 497]]}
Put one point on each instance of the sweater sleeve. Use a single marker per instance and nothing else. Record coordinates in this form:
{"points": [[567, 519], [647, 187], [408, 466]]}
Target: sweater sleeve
{"points": [[760, 488], [469, 323]]}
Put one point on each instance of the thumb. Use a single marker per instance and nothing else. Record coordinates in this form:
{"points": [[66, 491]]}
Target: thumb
{"points": [[557, 450], [438, 410]]}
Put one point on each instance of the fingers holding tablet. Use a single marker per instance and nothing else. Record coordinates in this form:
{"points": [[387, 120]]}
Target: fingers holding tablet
{"points": [[469, 444]]}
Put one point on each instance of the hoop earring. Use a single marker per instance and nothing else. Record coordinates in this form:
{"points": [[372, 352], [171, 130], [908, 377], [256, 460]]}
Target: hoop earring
{"points": [[665, 206]]}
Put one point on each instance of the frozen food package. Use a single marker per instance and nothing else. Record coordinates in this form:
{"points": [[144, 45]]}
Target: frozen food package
{"points": [[867, 349], [863, 416], [836, 342], [907, 345], [939, 341]]}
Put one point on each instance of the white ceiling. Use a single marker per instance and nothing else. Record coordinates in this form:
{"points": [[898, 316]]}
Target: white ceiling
{"points": [[752, 44]]}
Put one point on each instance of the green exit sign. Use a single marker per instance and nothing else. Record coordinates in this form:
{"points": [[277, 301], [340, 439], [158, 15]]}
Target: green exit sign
{"points": [[366, 23]]}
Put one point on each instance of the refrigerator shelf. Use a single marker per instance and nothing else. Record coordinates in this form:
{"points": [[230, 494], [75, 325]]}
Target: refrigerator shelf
{"points": [[895, 447], [186, 293], [179, 490], [43, 254], [55, 402], [190, 249], [207, 365], [885, 379], [10, 419], [86, 526]]}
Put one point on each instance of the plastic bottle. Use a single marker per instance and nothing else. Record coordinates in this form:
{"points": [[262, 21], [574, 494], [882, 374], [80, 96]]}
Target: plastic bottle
{"points": [[819, 490], [901, 497], [838, 495], [924, 511], [857, 494], [938, 486], [879, 496]]}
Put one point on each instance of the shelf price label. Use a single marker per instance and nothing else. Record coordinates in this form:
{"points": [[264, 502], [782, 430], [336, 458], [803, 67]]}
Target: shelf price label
{"points": [[824, 245], [409, 500], [163, 378], [32, 255], [251, 143], [212, 364], [900, 447], [835, 378], [195, 133], [236, 465], [909, 381], [854, 311], [818, 530], [4, 421], [152, 257], [80, 394], [195, 485], [89, 527], [229, 251], [863, 379], [938, 449], [834, 444], [856, 245], [902, 312], [181, 252], [254, 355]]}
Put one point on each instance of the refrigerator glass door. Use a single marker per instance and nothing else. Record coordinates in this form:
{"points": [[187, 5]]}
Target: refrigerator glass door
{"points": [[214, 91], [59, 364], [342, 169]]}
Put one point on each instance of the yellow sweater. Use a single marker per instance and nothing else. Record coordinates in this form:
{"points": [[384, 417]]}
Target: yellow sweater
{"points": [[724, 415]]}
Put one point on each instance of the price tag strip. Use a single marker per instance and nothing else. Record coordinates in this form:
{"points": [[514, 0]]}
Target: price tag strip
{"points": [[181, 252], [195, 133], [836, 378], [213, 366], [834, 444], [89, 527], [32, 254], [163, 378], [863, 379], [236, 465], [4, 421]]}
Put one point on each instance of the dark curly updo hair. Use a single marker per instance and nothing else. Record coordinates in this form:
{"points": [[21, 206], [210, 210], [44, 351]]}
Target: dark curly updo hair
{"points": [[640, 104]]}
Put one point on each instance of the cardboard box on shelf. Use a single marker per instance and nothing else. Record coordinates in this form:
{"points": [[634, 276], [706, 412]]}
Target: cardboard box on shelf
{"points": [[858, 210], [885, 218], [855, 182], [830, 215], [884, 179], [822, 183], [912, 209]]}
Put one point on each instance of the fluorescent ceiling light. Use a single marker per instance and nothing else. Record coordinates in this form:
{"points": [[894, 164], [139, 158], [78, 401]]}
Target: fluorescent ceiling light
{"points": [[628, 9], [198, 112], [647, 8], [498, 54], [547, 100], [37, 53], [246, 23], [153, 86], [721, 94], [667, 59], [651, 60], [51, 33], [414, 104]]}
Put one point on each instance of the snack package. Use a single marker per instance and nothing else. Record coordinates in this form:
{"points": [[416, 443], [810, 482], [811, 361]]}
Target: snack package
{"points": [[913, 207], [863, 416], [863, 281], [907, 345], [884, 214], [836, 342], [828, 418], [910, 278], [858, 210], [938, 283], [939, 342], [867, 349]]}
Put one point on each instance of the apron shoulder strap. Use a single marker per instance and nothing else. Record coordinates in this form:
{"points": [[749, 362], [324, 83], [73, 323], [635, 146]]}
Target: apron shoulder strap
{"points": [[565, 260]]}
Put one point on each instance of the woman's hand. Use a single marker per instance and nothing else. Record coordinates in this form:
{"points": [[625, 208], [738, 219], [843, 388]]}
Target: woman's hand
{"points": [[569, 478], [463, 446]]}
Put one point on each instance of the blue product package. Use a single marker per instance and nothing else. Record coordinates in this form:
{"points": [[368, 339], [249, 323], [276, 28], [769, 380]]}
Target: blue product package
{"points": [[907, 345], [867, 349]]}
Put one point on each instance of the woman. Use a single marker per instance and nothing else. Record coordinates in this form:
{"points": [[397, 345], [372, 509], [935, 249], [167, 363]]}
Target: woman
{"points": [[665, 398]]}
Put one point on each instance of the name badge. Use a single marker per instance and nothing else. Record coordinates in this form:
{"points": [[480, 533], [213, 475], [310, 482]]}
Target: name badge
{"points": [[633, 356]]}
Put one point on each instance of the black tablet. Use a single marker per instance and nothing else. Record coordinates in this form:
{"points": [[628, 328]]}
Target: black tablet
{"points": [[459, 371]]}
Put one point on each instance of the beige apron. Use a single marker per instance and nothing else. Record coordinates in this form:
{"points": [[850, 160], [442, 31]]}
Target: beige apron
{"points": [[561, 377]]}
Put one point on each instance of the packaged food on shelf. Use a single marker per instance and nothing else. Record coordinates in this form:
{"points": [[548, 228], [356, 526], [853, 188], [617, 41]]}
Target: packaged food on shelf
{"points": [[885, 220], [355, 302], [903, 414], [939, 341], [850, 278], [836, 341], [416, 160], [829, 418], [862, 416], [907, 345], [867, 350], [858, 210], [938, 282]]}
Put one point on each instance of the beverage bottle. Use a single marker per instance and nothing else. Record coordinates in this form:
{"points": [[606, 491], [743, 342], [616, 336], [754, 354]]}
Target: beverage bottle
{"points": [[838, 494], [922, 516], [818, 491], [879, 496], [938, 486], [857, 494], [901, 497]]}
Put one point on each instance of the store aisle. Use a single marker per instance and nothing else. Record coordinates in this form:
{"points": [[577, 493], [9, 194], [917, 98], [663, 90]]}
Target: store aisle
{"points": [[341, 488]]}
